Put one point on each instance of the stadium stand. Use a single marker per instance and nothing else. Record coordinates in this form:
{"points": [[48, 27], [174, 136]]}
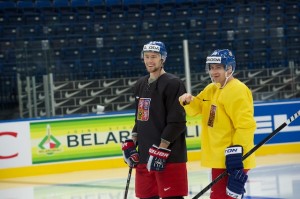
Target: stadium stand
{"points": [[92, 40]]}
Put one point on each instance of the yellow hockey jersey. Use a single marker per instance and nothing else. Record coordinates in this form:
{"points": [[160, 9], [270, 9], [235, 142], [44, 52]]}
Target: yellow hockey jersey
{"points": [[227, 119]]}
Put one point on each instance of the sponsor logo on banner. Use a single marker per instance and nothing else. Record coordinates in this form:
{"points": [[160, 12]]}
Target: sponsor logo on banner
{"points": [[131, 82], [261, 82], [81, 86], [268, 123], [49, 144], [13, 135], [275, 73], [68, 95], [120, 91], [109, 100], [94, 93], [55, 88], [253, 74], [267, 96], [269, 116], [60, 103], [122, 107], [83, 102], [108, 84], [15, 144], [277, 88], [70, 111]]}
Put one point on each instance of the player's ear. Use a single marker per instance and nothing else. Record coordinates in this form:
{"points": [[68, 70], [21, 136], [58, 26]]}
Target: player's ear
{"points": [[229, 69]]}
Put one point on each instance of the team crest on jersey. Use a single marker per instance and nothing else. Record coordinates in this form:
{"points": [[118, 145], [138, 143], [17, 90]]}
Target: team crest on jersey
{"points": [[143, 109], [212, 115]]}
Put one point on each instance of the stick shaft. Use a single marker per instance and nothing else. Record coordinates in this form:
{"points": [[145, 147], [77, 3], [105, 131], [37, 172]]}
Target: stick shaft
{"points": [[128, 182], [290, 120]]}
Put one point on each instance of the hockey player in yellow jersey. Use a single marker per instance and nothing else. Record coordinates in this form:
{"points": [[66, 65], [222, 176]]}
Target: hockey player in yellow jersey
{"points": [[228, 125]]}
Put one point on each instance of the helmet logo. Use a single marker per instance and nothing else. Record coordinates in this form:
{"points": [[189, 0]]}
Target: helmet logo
{"points": [[148, 47], [210, 60]]}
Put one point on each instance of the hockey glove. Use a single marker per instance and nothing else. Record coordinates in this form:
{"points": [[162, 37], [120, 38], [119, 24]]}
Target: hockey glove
{"points": [[236, 183], [234, 158], [158, 158], [130, 154]]}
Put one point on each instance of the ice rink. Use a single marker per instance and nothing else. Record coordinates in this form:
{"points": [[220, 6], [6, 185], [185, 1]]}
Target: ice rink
{"points": [[276, 176]]}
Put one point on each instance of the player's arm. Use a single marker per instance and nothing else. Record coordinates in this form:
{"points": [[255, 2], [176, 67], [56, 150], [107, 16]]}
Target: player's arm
{"points": [[241, 111], [176, 116]]}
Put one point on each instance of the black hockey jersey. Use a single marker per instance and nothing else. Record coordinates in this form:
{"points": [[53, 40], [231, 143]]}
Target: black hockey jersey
{"points": [[159, 115]]}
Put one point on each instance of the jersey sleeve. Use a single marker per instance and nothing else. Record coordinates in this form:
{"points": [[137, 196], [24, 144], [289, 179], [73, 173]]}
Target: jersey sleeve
{"points": [[241, 111], [176, 118]]}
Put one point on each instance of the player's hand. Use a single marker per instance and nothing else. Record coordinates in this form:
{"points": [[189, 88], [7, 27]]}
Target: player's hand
{"points": [[158, 158], [185, 99], [130, 154], [236, 184], [234, 158]]}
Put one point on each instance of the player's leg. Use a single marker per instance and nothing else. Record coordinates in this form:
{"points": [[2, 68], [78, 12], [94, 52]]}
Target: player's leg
{"points": [[145, 183], [172, 182], [218, 190]]}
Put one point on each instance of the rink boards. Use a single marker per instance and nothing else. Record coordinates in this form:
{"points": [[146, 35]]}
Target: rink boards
{"points": [[57, 145]]}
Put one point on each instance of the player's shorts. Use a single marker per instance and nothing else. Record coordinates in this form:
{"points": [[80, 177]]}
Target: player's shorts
{"points": [[218, 190], [170, 182]]}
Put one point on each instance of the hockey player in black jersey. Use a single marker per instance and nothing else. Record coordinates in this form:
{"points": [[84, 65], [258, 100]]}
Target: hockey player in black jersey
{"points": [[159, 131]]}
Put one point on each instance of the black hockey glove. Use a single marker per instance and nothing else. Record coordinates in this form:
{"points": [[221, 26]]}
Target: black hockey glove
{"points": [[236, 183], [158, 158], [130, 154], [234, 158]]}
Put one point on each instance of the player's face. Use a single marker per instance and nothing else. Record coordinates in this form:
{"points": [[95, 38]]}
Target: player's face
{"points": [[153, 61], [217, 73]]}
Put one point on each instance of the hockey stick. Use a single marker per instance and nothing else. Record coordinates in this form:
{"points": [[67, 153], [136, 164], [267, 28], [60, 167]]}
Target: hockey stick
{"points": [[128, 182], [290, 120]]}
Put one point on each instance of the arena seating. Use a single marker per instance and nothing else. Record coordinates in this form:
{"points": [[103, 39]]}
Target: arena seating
{"points": [[92, 39]]}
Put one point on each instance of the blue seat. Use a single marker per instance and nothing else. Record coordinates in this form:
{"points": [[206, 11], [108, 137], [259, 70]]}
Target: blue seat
{"points": [[61, 3], [292, 19], [93, 3], [167, 2], [79, 3], [7, 5], [167, 12], [114, 2], [292, 30], [133, 14], [293, 41], [261, 9], [80, 6], [133, 9], [25, 4], [293, 53], [145, 2], [291, 8], [62, 7], [43, 3], [44, 6], [30, 31], [132, 2], [117, 13]]}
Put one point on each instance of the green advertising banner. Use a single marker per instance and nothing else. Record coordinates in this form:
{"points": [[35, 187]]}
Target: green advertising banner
{"points": [[89, 137]]}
